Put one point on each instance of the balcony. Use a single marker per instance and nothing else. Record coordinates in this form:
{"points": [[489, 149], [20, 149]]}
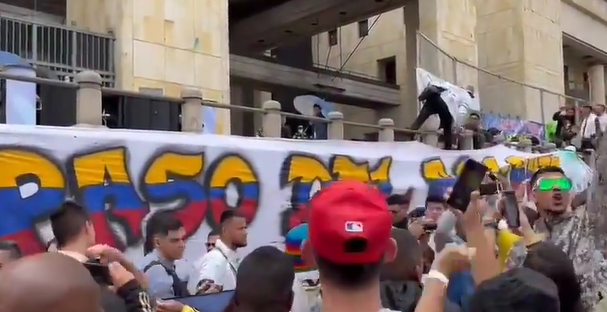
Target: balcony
{"points": [[62, 50]]}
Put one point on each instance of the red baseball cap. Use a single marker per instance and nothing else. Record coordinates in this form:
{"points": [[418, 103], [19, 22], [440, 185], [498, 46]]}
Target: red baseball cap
{"points": [[349, 223]]}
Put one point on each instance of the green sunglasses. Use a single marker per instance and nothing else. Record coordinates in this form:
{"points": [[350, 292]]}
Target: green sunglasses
{"points": [[549, 184]]}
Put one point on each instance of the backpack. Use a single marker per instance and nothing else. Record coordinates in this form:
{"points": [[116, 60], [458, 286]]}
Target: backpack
{"points": [[179, 287]]}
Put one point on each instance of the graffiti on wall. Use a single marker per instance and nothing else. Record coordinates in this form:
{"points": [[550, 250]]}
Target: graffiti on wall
{"points": [[120, 184]]}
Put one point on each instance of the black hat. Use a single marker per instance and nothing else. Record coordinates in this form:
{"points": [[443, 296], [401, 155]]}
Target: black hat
{"points": [[517, 290]]}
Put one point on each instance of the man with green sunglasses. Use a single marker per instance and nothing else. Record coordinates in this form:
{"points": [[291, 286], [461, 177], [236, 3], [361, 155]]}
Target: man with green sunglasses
{"points": [[572, 230]]}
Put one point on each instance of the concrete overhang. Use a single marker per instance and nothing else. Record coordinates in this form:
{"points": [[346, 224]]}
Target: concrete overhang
{"points": [[583, 31], [302, 18], [347, 90]]}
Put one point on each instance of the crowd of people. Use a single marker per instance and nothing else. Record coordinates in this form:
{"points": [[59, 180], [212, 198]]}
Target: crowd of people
{"points": [[565, 130], [358, 252]]}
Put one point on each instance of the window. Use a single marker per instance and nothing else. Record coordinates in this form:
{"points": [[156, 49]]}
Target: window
{"points": [[332, 37], [363, 28], [387, 69]]}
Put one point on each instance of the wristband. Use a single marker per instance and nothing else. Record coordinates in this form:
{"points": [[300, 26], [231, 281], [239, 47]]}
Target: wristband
{"points": [[435, 274]]}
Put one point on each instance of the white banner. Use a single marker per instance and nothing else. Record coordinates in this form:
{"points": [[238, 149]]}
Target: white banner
{"points": [[122, 176], [458, 99]]}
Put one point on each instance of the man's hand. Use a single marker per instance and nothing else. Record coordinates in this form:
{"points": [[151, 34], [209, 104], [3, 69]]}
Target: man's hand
{"points": [[169, 306], [106, 253], [119, 274], [416, 228], [453, 259], [208, 286], [476, 209]]}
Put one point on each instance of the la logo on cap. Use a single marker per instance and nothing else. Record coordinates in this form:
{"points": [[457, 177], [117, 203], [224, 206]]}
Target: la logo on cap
{"points": [[354, 227]]}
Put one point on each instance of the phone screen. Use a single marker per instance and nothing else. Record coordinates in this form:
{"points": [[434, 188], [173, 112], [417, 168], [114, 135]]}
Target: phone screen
{"points": [[511, 210], [468, 181], [488, 189]]}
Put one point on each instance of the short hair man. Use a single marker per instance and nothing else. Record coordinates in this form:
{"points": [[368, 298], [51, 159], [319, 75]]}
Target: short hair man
{"points": [[211, 240], [9, 252], [159, 266], [516, 290], [350, 239], [268, 289], [550, 260], [220, 264], [398, 205], [61, 284], [74, 232]]}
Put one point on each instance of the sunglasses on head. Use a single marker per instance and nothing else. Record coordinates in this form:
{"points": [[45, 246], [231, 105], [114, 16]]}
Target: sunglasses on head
{"points": [[549, 184]]}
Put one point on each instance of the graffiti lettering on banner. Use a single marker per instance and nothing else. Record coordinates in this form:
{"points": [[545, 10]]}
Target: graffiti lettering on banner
{"points": [[122, 178]]}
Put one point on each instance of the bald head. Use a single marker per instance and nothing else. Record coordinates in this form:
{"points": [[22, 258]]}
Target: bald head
{"points": [[49, 282]]}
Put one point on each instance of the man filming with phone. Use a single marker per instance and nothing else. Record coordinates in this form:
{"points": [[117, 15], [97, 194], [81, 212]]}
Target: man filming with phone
{"points": [[123, 286]]}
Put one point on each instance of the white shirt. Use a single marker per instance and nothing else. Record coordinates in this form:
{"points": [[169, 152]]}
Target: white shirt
{"points": [[587, 129], [216, 267], [603, 121]]}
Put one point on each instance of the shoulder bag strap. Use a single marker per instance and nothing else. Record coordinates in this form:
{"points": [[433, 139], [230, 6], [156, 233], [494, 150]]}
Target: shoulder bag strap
{"points": [[228, 260]]}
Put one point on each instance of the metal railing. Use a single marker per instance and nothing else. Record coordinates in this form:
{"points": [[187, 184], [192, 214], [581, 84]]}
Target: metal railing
{"points": [[61, 49], [83, 104], [498, 94]]}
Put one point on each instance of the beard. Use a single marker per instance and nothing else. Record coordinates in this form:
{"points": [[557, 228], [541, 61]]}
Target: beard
{"points": [[240, 244]]}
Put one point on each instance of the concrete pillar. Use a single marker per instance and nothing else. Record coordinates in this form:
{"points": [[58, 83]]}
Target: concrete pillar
{"points": [[431, 125], [191, 111], [386, 133], [336, 126], [404, 114], [597, 84], [467, 136], [523, 41], [260, 97], [165, 44], [451, 25], [272, 119], [88, 98]]}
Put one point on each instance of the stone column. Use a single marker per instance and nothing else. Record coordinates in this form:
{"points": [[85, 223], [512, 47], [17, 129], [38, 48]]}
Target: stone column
{"points": [[404, 114], [191, 111], [597, 84], [450, 24], [88, 98], [522, 41], [336, 126], [271, 119], [386, 134]]}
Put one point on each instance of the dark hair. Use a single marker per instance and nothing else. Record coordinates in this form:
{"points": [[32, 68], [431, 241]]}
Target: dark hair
{"points": [[553, 262], [269, 289], [160, 223], [408, 257], [68, 222], [12, 247], [396, 199], [348, 276], [213, 233], [432, 198], [228, 215], [550, 169]]}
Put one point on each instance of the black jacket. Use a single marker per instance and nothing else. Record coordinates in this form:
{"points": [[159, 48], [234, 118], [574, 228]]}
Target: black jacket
{"points": [[128, 298]]}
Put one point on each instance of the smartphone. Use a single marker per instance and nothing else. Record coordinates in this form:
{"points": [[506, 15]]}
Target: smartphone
{"points": [[100, 272], [468, 181], [430, 227], [488, 189], [511, 210]]}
